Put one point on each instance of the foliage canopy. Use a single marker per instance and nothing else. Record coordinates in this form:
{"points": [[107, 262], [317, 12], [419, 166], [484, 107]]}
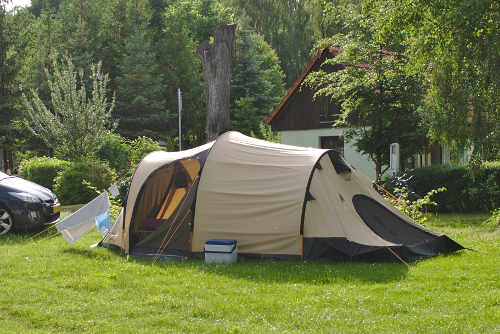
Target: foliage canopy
{"points": [[379, 98]]}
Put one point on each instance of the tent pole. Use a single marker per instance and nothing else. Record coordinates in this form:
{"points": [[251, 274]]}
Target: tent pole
{"points": [[397, 256], [179, 102]]}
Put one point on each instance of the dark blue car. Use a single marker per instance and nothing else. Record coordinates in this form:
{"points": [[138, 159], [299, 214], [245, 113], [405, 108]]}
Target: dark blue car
{"points": [[25, 206]]}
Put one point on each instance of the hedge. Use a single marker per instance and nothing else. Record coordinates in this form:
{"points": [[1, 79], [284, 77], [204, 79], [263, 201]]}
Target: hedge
{"points": [[467, 190], [70, 188], [115, 151], [42, 170]]}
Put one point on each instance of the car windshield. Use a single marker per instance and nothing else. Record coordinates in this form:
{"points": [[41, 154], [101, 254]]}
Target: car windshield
{"points": [[3, 176]]}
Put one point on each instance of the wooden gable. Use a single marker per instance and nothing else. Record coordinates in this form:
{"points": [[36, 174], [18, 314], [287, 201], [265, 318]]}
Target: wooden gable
{"points": [[298, 110]]}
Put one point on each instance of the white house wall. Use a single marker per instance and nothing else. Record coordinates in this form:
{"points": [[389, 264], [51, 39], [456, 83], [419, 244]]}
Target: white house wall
{"points": [[311, 138]]}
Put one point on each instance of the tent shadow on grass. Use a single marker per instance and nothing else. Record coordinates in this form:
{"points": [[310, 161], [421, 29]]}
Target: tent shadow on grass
{"points": [[88, 253], [273, 271], [316, 272]]}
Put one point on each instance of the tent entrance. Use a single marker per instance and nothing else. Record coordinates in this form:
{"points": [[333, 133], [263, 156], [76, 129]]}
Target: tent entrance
{"points": [[162, 218]]}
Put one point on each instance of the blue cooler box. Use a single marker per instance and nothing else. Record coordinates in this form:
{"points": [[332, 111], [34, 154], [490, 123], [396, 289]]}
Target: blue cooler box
{"points": [[221, 251]]}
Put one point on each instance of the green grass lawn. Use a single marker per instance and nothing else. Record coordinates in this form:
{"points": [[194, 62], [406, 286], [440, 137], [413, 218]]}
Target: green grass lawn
{"points": [[54, 287]]}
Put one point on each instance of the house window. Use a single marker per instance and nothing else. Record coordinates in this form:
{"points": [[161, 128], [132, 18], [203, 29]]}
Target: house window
{"points": [[328, 112], [333, 143]]}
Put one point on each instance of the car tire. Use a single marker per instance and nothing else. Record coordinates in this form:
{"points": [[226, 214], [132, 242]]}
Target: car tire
{"points": [[6, 221]]}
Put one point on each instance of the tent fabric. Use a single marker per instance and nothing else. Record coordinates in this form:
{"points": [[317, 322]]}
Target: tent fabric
{"points": [[276, 200], [253, 191], [332, 214]]}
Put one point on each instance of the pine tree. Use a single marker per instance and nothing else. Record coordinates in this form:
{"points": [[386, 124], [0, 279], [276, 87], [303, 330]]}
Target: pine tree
{"points": [[8, 69], [257, 84], [141, 105]]}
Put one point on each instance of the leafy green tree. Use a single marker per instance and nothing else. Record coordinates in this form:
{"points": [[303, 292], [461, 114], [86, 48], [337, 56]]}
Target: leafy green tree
{"points": [[40, 37], [76, 125], [141, 105], [328, 17], [379, 99], [157, 24], [13, 37], [37, 6], [286, 26], [7, 76], [455, 44]]}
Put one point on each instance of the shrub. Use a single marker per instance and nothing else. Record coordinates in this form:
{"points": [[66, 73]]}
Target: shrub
{"points": [[494, 221], [115, 151], [468, 191], [20, 156], [70, 187], [414, 209], [42, 170], [75, 121], [140, 147]]}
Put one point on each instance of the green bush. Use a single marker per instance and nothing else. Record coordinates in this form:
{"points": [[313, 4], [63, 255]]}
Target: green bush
{"points": [[115, 151], [140, 147], [70, 187], [42, 170], [413, 209], [468, 190], [494, 221]]}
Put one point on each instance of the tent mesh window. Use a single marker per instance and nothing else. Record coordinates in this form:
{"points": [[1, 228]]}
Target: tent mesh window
{"points": [[333, 143]]}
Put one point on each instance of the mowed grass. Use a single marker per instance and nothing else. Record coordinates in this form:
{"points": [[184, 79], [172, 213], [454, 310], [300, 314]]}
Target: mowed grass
{"points": [[53, 287]]}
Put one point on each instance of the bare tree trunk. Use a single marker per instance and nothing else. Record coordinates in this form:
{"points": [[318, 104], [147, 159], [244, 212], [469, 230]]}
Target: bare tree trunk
{"points": [[216, 60]]}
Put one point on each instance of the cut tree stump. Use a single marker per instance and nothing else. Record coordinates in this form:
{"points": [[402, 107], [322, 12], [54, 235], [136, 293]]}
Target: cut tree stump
{"points": [[216, 61]]}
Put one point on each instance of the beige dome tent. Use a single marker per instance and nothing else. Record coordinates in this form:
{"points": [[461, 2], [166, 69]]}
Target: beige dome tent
{"points": [[275, 200]]}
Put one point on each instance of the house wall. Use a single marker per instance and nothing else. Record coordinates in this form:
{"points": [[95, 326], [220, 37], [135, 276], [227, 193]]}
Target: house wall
{"points": [[311, 138]]}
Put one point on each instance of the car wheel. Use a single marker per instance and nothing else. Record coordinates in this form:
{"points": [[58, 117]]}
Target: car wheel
{"points": [[6, 221]]}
